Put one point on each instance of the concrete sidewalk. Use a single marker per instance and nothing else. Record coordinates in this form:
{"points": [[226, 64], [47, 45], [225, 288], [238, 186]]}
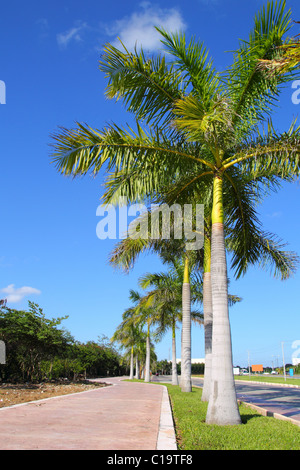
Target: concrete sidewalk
{"points": [[123, 416]]}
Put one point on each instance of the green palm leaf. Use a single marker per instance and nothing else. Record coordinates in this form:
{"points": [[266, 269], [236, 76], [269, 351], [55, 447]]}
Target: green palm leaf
{"points": [[253, 92], [148, 88]]}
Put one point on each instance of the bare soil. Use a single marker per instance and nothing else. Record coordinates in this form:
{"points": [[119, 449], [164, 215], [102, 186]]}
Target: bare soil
{"points": [[14, 394]]}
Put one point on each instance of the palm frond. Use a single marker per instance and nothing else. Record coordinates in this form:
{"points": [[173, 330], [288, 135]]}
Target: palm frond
{"points": [[195, 69], [288, 58], [148, 87], [269, 154], [254, 93], [139, 159], [241, 219]]}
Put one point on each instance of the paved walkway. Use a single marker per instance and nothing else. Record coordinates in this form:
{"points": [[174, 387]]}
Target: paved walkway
{"points": [[123, 416]]}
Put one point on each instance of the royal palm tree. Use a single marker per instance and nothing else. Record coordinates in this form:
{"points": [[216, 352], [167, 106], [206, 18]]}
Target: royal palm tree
{"points": [[165, 297], [268, 252], [124, 335], [143, 314], [168, 310], [169, 250], [204, 127], [129, 335]]}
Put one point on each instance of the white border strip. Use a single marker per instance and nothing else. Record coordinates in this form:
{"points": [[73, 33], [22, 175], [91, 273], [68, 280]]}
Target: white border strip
{"points": [[166, 439]]}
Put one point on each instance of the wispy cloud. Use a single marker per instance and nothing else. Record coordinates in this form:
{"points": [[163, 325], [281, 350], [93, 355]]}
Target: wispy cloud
{"points": [[71, 35], [14, 294], [138, 28], [43, 26], [275, 215]]}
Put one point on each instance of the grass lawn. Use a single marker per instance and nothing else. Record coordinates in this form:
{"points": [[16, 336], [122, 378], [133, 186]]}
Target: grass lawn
{"points": [[256, 432], [268, 379], [264, 378]]}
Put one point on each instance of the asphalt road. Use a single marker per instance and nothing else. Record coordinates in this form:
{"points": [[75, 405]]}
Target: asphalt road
{"points": [[273, 398]]}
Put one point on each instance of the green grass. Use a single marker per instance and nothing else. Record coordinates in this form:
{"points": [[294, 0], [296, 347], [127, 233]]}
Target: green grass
{"points": [[256, 432], [263, 378], [268, 379]]}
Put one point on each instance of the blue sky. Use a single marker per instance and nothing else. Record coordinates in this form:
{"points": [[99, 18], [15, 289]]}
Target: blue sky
{"points": [[49, 251]]}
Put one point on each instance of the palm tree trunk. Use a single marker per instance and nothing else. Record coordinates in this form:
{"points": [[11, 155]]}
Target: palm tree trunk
{"points": [[222, 406], [137, 372], [147, 370], [174, 364], [208, 319], [186, 381], [131, 364]]}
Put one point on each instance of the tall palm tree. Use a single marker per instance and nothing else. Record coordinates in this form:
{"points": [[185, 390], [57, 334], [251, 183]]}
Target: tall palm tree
{"points": [[124, 335], [143, 314], [129, 335], [203, 127], [166, 298], [124, 256], [167, 310], [268, 251]]}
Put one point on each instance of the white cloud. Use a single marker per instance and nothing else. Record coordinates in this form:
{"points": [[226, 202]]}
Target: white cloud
{"points": [[73, 34], [274, 215], [14, 294], [139, 27]]}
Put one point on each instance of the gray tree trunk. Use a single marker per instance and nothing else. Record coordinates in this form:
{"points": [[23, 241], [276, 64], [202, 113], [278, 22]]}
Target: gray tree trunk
{"points": [[147, 368], [174, 364], [208, 321], [131, 365], [186, 381], [222, 406], [137, 371]]}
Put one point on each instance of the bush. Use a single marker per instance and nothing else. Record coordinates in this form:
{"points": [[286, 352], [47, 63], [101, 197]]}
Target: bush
{"points": [[36, 349]]}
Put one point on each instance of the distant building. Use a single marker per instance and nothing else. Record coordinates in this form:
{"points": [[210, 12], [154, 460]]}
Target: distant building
{"points": [[194, 361]]}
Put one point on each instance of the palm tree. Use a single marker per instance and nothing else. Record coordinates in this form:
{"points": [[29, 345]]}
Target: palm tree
{"points": [[208, 135], [166, 299], [143, 314], [167, 310], [128, 335], [267, 251], [124, 335], [124, 256]]}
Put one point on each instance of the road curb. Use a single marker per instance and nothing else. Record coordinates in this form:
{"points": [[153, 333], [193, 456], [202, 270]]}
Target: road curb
{"points": [[166, 439], [269, 414], [263, 411]]}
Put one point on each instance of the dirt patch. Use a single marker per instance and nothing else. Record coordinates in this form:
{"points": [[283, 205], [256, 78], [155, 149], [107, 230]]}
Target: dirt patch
{"points": [[14, 394]]}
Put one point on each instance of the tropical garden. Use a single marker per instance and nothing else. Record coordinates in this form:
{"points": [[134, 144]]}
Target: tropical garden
{"points": [[201, 136]]}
